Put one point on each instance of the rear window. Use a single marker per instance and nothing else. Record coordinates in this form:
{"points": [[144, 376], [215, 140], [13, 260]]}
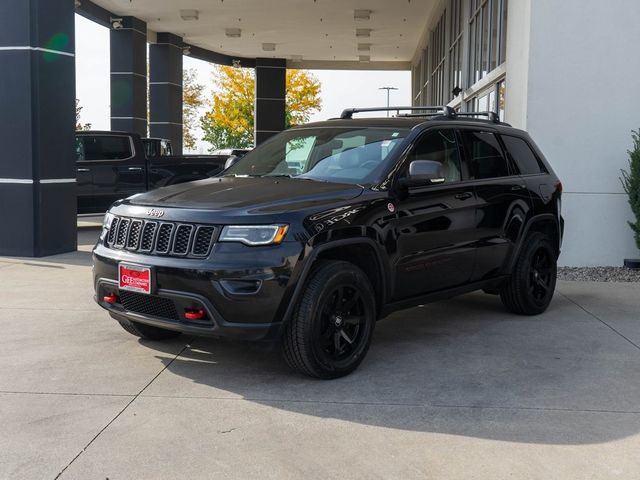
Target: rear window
{"points": [[522, 156], [104, 147]]}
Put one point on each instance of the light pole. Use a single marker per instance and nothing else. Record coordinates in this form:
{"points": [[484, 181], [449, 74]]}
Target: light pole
{"points": [[388, 89]]}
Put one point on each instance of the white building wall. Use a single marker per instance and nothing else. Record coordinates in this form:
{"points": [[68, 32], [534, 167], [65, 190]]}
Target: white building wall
{"points": [[572, 82]]}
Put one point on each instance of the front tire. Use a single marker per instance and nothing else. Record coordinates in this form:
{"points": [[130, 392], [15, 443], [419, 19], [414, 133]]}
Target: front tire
{"points": [[533, 281], [333, 322], [146, 332]]}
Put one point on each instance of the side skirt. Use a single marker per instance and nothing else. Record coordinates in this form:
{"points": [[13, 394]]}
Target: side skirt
{"points": [[441, 295]]}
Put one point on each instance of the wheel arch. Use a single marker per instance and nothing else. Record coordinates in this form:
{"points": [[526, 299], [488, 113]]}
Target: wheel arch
{"points": [[546, 223], [360, 251]]}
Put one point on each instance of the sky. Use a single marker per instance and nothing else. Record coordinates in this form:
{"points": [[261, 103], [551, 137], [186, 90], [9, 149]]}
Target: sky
{"points": [[340, 88]]}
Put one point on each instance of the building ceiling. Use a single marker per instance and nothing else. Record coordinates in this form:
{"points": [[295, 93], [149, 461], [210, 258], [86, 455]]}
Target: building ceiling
{"points": [[311, 33]]}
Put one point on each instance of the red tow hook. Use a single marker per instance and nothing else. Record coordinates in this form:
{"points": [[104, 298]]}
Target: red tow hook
{"points": [[111, 298], [193, 314]]}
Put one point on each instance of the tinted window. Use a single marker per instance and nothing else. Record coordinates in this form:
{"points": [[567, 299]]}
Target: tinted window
{"points": [[484, 155], [341, 154], [106, 147], [440, 146], [522, 156]]}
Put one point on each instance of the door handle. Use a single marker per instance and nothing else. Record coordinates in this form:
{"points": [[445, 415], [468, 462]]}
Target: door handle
{"points": [[516, 188], [134, 169], [82, 170], [464, 195]]}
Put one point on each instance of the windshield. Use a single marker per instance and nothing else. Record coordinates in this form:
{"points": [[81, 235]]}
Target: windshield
{"points": [[341, 154]]}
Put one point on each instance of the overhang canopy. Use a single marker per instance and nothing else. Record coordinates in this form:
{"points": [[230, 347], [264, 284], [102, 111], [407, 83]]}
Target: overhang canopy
{"points": [[308, 33]]}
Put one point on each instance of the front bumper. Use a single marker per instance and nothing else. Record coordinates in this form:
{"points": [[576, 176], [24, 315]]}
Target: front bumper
{"points": [[244, 291]]}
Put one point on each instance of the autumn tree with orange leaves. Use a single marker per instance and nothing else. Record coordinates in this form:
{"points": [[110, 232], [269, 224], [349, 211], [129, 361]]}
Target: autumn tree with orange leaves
{"points": [[229, 123]]}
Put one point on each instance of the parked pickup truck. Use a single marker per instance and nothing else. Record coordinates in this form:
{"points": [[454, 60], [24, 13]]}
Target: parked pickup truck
{"points": [[114, 165]]}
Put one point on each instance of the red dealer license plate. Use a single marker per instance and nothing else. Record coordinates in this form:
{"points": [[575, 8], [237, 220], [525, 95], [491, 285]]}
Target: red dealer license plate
{"points": [[134, 277]]}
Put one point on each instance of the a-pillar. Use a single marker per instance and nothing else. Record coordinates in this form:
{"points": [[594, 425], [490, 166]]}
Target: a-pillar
{"points": [[129, 76], [37, 124], [165, 89], [271, 75]]}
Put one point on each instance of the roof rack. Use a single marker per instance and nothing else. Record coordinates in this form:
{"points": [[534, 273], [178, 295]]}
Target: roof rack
{"points": [[492, 116], [439, 110], [423, 111]]}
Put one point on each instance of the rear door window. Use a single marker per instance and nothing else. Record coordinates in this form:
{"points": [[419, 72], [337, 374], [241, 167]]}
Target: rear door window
{"points": [[107, 147], [484, 155], [522, 156]]}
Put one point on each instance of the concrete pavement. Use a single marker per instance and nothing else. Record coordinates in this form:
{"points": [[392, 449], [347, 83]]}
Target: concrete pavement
{"points": [[457, 390]]}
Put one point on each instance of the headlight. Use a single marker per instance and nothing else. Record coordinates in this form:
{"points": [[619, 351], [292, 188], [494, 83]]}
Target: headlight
{"points": [[254, 234]]}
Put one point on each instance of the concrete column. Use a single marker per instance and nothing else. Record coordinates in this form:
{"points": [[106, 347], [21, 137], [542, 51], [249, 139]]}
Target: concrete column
{"points": [[37, 124], [270, 97], [129, 76], [165, 89]]}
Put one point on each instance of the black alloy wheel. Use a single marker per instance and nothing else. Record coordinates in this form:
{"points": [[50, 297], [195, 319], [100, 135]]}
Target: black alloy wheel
{"points": [[332, 326], [340, 329], [540, 275], [532, 283]]}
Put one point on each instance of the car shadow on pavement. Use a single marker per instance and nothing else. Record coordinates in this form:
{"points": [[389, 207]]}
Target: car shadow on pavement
{"points": [[460, 367]]}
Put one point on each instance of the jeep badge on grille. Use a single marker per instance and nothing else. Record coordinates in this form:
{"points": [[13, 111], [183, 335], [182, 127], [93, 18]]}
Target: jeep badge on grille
{"points": [[152, 212]]}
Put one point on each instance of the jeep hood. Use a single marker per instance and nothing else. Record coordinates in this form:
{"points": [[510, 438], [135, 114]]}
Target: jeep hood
{"points": [[253, 194]]}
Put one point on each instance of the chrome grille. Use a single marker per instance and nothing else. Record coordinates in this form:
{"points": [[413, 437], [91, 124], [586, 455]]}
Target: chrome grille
{"points": [[154, 237]]}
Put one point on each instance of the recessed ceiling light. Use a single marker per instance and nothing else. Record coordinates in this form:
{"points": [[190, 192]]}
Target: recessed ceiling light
{"points": [[363, 32], [233, 32], [188, 15], [364, 47], [364, 58], [362, 15], [268, 47]]}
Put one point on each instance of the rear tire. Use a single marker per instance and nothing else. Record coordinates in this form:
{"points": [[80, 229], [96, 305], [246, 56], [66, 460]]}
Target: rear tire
{"points": [[146, 332], [533, 280], [332, 325]]}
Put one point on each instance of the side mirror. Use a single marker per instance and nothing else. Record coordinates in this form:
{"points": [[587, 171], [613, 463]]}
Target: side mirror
{"points": [[423, 172], [233, 159]]}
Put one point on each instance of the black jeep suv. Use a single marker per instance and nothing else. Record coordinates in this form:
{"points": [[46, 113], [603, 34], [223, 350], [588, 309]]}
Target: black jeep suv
{"points": [[327, 227]]}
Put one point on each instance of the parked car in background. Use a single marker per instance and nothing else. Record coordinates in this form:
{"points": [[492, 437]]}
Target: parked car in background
{"points": [[328, 227], [114, 165]]}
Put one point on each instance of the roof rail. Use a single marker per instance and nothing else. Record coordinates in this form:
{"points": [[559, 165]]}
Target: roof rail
{"points": [[440, 109], [424, 111], [492, 116]]}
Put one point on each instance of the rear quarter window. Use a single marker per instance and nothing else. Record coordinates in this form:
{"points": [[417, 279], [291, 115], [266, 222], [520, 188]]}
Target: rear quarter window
{"points": [[522, 156]]}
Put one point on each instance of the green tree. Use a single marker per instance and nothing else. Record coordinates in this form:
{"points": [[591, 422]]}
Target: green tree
{"points": [[631, 184], [192, 101], [229, 123]]}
